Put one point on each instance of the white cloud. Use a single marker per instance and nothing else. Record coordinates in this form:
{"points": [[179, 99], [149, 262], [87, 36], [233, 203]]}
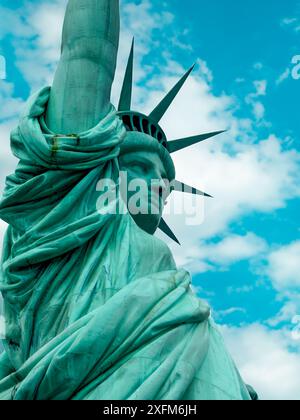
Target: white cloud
{"points": [[284, 76], [236, 248], [261, 87], [220, 255], [206, 73], [291, 22], [11, 20], [241, 290], [284, 267], [10, 106], [265, 360], [37, 54], [224, 313], [286, 313], [258, 108], [214, 256]]}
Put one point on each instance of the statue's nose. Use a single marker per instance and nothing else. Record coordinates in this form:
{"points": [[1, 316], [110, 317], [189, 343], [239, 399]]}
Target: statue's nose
{"points": [[159, 188]]}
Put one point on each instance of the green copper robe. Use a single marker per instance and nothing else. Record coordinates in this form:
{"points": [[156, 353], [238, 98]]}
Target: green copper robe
{"points": [[95, 307]]}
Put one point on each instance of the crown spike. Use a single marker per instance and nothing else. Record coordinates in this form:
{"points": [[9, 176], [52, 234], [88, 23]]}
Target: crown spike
{"points": [[166, 229], [181, 187], [176, 145], [126, 92], [163, 106]]}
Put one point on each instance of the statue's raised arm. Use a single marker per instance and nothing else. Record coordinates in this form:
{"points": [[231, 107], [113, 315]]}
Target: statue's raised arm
{"points": [[81, 89]]}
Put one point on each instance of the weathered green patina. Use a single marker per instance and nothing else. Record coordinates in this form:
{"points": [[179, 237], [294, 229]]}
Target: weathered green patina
{"points": [[95, 307]]}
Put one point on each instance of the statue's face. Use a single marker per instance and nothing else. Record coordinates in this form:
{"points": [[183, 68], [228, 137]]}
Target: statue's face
{"points": [[146, 187]]}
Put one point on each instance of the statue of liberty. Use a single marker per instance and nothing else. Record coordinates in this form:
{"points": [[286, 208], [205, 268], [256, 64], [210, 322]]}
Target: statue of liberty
{"points": [[95, 307]]}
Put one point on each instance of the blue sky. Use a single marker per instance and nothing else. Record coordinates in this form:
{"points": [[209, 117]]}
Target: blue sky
{"points": [[245, 256]]}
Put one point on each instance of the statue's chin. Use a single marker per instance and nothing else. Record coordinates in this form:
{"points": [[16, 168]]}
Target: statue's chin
{"points": [[147, 222]]}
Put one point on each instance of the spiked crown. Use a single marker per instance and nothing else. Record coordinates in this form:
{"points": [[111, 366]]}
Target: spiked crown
{"points": [[149, 125]]}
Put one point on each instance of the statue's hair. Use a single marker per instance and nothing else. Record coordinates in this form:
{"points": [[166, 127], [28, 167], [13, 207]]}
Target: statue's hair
{"points": [[135, 141]]}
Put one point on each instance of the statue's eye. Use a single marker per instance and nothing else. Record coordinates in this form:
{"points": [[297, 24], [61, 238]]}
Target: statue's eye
{"points": [[139, 167]]}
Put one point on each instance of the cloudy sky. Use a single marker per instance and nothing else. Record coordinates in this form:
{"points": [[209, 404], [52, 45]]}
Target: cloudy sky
{"points": [[244, 251]]}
